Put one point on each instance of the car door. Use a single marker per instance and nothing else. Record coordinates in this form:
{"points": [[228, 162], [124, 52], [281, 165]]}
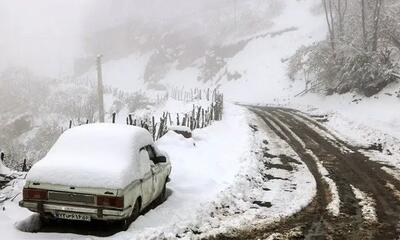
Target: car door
{"points": [[147, 180], [156, 170]]}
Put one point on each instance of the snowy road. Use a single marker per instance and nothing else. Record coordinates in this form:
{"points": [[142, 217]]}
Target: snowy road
{"points": [[355, 199]]}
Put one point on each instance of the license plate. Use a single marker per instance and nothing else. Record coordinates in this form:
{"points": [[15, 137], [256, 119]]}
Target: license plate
{"points": [[73, 216]]}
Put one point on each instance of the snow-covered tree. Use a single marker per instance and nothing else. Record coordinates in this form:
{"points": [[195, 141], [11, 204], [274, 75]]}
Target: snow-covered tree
{"points": [[361, 52]]}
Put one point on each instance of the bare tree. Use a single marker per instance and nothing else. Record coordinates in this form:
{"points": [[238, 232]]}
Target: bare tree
{"points": [[341, 9], [377, 13], [330, 21], [363, 23]]}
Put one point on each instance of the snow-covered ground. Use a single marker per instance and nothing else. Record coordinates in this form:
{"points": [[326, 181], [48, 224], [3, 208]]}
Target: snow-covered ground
{"points": [[4, 170], [201, 168], [217, 168], [263, 62]]}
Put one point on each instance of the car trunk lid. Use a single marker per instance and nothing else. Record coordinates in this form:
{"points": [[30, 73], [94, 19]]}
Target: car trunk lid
{"points": [[69, 193]]}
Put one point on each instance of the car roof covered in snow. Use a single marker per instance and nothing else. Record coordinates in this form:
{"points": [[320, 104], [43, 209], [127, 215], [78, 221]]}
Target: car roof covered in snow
{"points": [[94, 155]]}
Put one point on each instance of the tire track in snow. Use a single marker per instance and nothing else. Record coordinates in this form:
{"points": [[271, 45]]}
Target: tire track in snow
{"points": [[349, 169], [355, 169], [316, 126], [314, 217], [334, 205]]}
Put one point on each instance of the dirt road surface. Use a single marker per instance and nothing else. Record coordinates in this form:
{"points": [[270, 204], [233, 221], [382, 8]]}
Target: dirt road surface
{"points": [[369, 197]]}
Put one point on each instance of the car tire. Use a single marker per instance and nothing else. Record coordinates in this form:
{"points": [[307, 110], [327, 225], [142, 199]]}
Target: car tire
{"points": [[163, 195], [134, 215], [44, 220], [136, 210]]}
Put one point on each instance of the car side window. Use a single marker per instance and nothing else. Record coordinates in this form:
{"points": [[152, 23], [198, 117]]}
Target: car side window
{"points": [[144, 160], [151, 153]]}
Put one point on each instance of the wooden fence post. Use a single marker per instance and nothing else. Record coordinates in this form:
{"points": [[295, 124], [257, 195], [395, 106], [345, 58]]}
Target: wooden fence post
{"points": [[153, 128], [114, 114], [24, 167], [130, 119]]}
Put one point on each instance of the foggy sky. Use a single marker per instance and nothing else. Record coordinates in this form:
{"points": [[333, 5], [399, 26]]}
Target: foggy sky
{"points": [[46, 35]]}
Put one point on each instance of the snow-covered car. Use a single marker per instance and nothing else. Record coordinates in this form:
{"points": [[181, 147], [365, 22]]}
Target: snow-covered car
{"points": [[98, 171]]}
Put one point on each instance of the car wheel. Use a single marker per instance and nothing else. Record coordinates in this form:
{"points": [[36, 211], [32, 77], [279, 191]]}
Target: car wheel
{"points": [[163, 194], [44, 220], [134, 215], [136, 210]]}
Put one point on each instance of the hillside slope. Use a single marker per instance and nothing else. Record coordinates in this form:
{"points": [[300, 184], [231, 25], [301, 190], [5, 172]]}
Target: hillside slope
{"points": [[252, 53]]}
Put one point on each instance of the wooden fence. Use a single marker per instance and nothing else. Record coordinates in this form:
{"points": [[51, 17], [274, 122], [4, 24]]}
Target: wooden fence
{"points": [[199, 117]]}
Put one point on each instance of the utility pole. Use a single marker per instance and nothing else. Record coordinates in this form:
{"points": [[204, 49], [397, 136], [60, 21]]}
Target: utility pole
{"points": [[235, 12], [100, 91]]}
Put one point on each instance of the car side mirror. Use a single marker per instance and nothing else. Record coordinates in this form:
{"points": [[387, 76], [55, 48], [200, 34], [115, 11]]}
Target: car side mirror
{"points": [[161, 159]]}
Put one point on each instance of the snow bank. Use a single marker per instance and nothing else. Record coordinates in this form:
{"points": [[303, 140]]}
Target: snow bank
{"points": [[94, 155], [30, 224], [203, 166], [3, 169], [261, 193]]}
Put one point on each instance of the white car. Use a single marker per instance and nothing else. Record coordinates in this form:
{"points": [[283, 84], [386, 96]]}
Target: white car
{"points": [[98, 171]]}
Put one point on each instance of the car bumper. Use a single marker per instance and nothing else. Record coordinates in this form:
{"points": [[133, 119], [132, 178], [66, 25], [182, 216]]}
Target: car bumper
{"points": [[94, 212]]}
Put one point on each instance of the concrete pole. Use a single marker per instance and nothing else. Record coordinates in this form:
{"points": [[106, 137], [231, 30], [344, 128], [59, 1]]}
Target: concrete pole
{"points": [[100, 90], [235, 5]]}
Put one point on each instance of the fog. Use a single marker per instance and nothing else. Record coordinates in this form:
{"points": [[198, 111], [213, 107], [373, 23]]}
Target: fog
{"points": [[46, 36], [48, 49], [42, 36]]}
